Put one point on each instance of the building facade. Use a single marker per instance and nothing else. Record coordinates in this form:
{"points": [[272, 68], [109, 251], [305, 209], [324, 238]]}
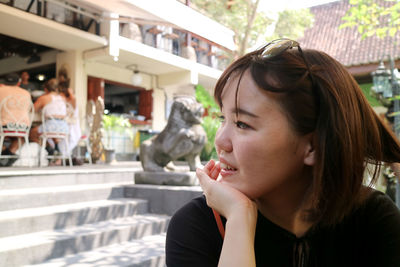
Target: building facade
{"points": [[136, 54]]}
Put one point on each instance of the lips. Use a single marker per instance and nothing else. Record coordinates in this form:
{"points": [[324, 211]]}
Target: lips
{"points": [[226, 169]]}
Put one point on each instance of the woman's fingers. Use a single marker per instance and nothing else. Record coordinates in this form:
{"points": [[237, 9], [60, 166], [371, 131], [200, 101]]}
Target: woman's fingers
{"points": [[224, 199], [215, 171], [210, 188], [204, 179], [209, 166]]}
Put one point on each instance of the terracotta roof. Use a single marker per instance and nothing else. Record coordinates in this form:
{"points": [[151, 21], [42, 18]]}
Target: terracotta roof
{"points": [[345, 44]]}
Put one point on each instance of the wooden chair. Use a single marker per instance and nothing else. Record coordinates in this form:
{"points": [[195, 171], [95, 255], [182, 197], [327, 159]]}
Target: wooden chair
{"points": [[16, 116]]}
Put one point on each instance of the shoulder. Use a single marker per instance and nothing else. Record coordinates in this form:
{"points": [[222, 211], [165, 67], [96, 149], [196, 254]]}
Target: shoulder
{"points": [[192, 237], [63, 96], [193, 213], [59, 97], [23, 92], [377, 221], [198, 203], [43, 99], [376, 215], [381, 205], [5, 88], [376, 209]]}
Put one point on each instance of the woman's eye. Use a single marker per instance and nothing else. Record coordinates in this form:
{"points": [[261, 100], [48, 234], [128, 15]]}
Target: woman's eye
{"points": [[241, 125], [221, 118]]}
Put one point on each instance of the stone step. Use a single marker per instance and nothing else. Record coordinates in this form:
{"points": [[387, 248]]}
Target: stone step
{"points": [[163, 199], [48, 196], [146, 252], [24, 221], [43, 246], [11, 178]]}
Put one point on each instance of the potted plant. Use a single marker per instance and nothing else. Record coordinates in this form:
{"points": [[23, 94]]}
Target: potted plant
{"points": [[118, 124]]}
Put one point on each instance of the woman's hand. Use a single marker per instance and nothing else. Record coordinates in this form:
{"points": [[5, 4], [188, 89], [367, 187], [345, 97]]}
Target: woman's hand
{"points": [[224, 199], [240, 213]]}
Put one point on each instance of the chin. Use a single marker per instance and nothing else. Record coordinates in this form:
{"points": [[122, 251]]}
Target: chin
{"points": [[240, 187]]}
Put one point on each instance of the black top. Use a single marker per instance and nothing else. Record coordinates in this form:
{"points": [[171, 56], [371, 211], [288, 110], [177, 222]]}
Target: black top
{"points": [[369, 236], [29, 86]]}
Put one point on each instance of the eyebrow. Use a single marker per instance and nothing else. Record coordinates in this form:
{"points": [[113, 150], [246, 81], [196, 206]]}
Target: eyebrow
{"points": [[244, 112]]}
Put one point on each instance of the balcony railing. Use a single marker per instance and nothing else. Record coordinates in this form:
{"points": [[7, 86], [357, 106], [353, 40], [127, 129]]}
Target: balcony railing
{"points": [[159, 36], [62, 12], [175, 42]]}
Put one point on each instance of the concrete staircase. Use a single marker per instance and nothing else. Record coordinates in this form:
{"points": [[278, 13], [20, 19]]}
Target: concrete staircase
{"points": [[84, 216]]}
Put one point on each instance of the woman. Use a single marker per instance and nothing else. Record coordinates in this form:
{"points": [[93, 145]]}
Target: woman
{"points": [[56, 111], [74, 124], [65, 90], [295, 138]]}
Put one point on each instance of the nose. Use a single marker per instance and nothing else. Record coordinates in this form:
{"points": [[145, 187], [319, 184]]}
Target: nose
{"points": [[223, 140]]}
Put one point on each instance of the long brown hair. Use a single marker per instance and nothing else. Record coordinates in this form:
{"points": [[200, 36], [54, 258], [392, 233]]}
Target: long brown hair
{"points": [[64, 84], [347, 132]]}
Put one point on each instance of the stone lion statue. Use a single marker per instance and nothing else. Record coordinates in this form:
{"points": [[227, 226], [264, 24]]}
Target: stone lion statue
{"points": [[183, 137]]}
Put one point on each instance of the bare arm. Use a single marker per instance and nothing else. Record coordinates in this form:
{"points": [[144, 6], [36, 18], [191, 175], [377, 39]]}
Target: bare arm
{"points": [[40, 103], [240, 213], [72, 98]]}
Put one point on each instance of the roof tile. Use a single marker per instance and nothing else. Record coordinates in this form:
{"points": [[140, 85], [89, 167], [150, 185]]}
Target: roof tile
{"points": [[345, 44]]}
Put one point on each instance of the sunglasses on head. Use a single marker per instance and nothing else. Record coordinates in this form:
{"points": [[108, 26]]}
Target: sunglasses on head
{"points": [[278, 46]]}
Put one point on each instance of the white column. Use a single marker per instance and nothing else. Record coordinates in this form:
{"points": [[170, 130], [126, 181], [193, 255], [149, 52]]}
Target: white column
{"points": [[111, 29], [74, 64], [159, 120]]}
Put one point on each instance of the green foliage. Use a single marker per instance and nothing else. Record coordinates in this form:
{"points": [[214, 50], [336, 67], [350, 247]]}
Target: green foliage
{"points": [[211, 126], [210, 122], [373, 101], [250, 26], [397, 97], [292, 23], [118, 124], [238, 16], [258, 31], [115, 123], [208, 102], [372, 18]]}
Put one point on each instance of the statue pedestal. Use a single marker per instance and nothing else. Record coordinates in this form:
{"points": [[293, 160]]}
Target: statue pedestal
{"points": [[166, 178]]}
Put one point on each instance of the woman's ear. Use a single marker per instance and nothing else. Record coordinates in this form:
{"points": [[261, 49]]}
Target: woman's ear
{"points": [[309, 151]]}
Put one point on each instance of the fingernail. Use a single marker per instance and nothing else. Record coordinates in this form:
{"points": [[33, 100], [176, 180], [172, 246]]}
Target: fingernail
{"points": [[210, 163], [215, 172]]}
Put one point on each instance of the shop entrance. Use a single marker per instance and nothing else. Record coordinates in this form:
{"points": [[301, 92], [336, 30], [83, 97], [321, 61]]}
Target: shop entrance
{"points": [[126, 102]]}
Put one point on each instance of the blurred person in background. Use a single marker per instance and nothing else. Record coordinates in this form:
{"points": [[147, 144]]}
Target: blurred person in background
{"points": [[15, 112], [25, 83], [56, 109], [75, 132]]}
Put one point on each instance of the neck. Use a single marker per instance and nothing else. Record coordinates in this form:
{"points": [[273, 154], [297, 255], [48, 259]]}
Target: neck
{"points": [[286, 206]]}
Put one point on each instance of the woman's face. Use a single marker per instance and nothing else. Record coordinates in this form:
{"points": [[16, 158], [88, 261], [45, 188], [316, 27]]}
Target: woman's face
{"points": [[259, 152]]}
